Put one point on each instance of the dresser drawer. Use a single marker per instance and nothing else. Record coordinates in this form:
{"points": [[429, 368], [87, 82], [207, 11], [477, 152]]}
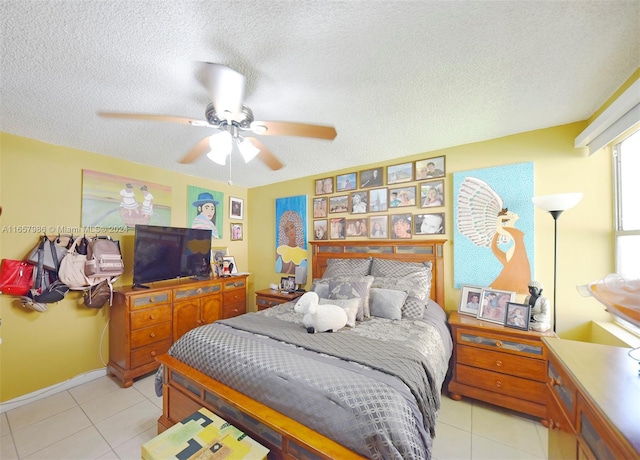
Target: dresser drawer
{"points": [[518, 366], [563, 389], [263, 303], [198, 291], [506, 344], [500, 383], [143, 301], [234, 309], [147, 354], [150, 316], [148, 335], [235, 283], [235, 296]]}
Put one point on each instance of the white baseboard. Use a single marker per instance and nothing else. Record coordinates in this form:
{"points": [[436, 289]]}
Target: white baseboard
{"points": [[40, 394]]}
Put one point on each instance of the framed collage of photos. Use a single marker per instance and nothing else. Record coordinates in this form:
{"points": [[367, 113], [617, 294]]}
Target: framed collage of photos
{"points": [[393, 190]]}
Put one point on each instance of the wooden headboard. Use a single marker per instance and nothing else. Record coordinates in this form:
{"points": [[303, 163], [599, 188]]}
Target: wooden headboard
{"points": [[407, 251]]}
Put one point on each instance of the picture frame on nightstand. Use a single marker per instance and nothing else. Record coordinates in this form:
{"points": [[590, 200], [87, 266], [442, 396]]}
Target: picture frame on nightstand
{"points": [[470, 300], [493, 305], [518, 315]]}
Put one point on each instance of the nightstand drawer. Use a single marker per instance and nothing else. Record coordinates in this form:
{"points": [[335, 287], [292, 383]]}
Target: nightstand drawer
{"points": [[503, 362], [150, 316], [500, 383], [503, 343], [148, 335], [263, 303]]}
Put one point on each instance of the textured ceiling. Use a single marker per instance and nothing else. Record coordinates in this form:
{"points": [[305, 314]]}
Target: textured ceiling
{"points": [[395, 78]]}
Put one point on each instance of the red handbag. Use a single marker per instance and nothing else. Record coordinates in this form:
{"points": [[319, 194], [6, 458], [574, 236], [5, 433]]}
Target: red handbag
{"points": [[16, 277]]}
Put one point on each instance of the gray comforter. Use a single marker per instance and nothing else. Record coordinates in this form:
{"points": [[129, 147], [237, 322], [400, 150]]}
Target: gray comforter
{"points": [[374, 388]]}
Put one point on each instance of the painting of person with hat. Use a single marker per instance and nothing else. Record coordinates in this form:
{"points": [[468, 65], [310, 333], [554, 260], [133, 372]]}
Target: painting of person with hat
{"points": [[206, 207]]}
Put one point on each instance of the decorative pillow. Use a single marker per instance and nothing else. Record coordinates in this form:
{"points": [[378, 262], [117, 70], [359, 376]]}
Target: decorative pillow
{"points": [[415, 277], [397, 268], [348, 288], [349, 305], [416, 289], [413, 307], [347, 267], [321, 287], [387, 303]]}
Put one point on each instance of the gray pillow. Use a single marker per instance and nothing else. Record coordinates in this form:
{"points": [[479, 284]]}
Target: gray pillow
{"points": [[347, 267], [321, 288], [348, 288], [349, 305], [387, 303]]}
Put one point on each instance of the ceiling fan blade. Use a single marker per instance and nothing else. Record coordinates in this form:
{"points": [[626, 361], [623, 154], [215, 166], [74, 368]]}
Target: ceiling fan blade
{"points": [[145, 116], [226, 89], [265, 155], [197, 151], [284, 128]]}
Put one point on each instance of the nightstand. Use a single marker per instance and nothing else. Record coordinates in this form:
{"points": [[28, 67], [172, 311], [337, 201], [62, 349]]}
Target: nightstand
{"points": [[499, 365], [267, 298]]}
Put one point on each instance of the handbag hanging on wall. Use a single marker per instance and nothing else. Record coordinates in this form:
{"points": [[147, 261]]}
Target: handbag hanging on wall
{"points": [[52, 252], [71, 270], [16, 277]]}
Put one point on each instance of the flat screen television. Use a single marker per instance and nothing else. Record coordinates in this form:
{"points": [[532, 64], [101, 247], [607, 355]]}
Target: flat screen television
{"points": [[164, 253]]}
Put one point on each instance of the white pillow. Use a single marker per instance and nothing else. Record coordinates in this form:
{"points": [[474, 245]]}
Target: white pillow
{"points": [[349, 305]]}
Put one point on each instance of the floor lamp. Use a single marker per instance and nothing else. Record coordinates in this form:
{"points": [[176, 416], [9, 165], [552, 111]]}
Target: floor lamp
{"points": [[555, 205]]}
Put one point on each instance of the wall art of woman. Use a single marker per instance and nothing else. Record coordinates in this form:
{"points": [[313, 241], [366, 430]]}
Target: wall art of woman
{"points": [[290, 252], [206, 218]]}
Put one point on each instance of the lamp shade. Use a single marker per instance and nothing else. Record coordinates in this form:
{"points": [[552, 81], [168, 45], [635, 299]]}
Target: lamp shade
{"points": [[221, 145], [301, 275], [557, 202], [247, 149]]}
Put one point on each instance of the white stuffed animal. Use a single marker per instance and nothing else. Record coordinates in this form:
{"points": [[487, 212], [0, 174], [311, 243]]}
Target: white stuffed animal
{"points": [[320, 318]]}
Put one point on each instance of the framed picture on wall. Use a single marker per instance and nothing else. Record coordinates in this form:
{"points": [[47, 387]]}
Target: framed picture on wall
{"points": [[346, 182], [400, 197], [337, 229], [356, 227], [379, 227], [429, 224], [320, 230], [432, 194], [399, 173], [371, 178], [320, 207], [236, 207], [324, 186], [338, 203], [430, 168], [358, 203], [236, 232], [400, 226]]}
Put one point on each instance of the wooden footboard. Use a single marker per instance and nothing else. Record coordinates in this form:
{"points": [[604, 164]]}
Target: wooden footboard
{"points": [[186, 390]]}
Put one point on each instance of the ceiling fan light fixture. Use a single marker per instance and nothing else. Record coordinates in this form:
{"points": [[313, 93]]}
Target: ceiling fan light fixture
{"points": [[247, 149], [221, 145]]}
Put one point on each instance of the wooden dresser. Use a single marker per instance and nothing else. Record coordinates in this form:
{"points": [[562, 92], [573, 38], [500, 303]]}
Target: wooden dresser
{"points": [[267, 298], [499, 365], [594, 401], [145, 322]]}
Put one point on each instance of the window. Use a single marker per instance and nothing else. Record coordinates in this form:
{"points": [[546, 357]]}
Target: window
{"points": [[626, 156]]}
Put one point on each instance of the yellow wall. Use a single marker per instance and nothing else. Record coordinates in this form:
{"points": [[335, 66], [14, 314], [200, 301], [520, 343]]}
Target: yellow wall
{"points": [[40, 185], [585, 249]]}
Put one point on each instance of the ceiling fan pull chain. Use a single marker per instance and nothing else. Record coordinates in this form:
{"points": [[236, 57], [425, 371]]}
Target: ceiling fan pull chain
{"points": [[230, 159]]}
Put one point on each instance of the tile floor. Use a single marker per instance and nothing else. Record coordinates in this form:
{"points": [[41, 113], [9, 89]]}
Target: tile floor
{"points": [[101, 420]]}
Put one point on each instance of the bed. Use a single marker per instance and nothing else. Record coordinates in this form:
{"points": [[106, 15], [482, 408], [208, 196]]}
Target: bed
{"points": [[369, 391]]}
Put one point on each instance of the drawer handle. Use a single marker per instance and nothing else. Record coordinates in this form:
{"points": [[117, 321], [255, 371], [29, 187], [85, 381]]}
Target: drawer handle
{"points": [[498, 383], [152, 299], [554, 382], [499, 363], [152, 335], [153, 353], [152, 316], [199, 291], [498, 343], [554, 425]]}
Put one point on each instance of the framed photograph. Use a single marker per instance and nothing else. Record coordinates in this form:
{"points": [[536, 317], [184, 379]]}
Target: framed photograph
{"points": [[432, 194], [430, 168], [518, 315], [429, 224], [232, 260], [337, 228], [288, 283], [358, 202], [470, 300], [379, 227], [399, 173], [400, 197], [371, 178], [378, 199], [356, 227], [346, 182], [400, 226], [324, 186], [320, 207], [221, 250], [338, 203], [236, 208], [320, 230], [493, 305], [236, 232]]}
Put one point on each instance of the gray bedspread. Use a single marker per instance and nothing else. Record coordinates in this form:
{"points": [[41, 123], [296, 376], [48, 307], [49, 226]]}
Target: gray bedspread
{"points": [[374, 388]]}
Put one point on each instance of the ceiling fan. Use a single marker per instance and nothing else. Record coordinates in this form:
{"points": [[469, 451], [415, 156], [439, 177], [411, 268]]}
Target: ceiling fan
{"points": [[233, 121]]}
